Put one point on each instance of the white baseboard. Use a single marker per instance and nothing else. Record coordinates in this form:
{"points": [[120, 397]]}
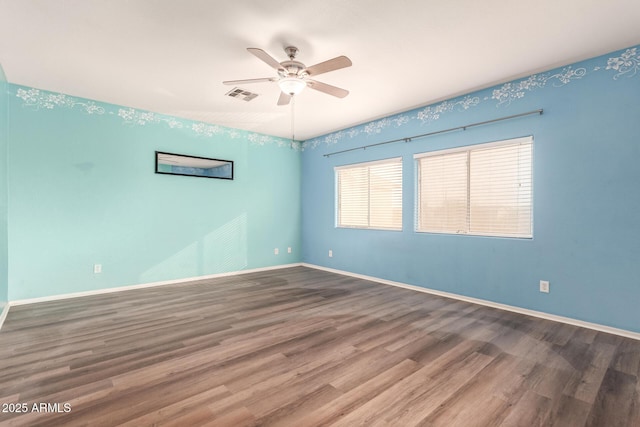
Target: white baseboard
{"points": [[3, 315], [525, 311], [514, 309], [145, 285]]}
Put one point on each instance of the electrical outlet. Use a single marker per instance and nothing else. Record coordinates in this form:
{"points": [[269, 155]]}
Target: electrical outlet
{"points": [[544, 286], [97, 268], [276, 251], [289, 250], [330, 253]]}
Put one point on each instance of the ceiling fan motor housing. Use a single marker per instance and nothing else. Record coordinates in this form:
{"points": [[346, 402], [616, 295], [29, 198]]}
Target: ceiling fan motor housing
{"points": [[292, 69]]}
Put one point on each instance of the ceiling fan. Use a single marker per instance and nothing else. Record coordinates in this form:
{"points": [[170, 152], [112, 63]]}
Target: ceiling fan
{"points": [[294, 76]]}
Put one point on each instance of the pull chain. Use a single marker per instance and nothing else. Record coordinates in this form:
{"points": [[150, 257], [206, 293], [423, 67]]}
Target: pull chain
{"points": [[293, 135]]}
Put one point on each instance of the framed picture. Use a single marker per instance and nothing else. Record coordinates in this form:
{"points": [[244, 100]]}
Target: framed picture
{"points": [[203, 167]]}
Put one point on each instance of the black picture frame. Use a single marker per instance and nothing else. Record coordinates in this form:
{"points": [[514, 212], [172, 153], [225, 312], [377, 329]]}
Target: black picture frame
{"points": [[196, 166]]}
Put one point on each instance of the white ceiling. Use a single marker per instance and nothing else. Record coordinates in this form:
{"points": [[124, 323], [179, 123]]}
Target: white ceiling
{"points": [[171, 56]]}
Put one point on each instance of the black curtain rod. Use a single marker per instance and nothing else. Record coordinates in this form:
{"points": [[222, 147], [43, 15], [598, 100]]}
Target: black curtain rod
{"points": [[465, 127]]}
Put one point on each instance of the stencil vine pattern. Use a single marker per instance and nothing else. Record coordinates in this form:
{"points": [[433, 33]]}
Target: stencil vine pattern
{"points": [[627, 63], [511, 91], [37, 99], [432, 113]]}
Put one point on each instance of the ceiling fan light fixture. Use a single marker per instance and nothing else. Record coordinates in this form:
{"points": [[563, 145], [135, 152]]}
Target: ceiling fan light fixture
{"points": [[291, 85]]}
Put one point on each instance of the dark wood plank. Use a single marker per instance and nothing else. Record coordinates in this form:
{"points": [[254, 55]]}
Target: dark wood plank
{"points": [[305, 347], [615, 400]]}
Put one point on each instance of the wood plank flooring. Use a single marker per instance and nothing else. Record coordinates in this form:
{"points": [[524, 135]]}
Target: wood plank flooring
{"points": [[304, 347]]}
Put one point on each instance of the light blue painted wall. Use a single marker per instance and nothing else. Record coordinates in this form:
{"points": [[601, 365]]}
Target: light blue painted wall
{"points": [[4, 117], [82, 190], [586, 196]]}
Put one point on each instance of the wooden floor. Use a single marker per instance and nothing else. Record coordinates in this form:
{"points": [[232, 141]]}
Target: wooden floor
{"points": [[303, 347]]}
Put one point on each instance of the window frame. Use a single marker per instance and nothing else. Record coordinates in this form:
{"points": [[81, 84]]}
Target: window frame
{"points": [[337, 169], [468, 149]]}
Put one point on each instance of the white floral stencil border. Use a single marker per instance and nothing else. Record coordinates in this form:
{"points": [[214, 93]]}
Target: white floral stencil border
{"points": [[49, 101], [511, 91], [626, 64], [38, 99]]}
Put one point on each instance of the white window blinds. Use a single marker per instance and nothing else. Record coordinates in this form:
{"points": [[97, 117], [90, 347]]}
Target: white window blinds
{"points": [[369, 195], [481, 190], [443, 199]]}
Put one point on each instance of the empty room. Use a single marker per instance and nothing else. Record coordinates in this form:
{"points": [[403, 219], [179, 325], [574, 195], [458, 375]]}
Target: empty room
{"points": [[337, 213]]}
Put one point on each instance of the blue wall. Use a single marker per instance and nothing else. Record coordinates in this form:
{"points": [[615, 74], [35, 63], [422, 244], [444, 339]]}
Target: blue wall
{"points": [[586, 197], [4, 118], [82, 191]]}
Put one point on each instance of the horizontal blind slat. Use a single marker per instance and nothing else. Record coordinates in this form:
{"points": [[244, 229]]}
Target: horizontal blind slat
{"points": [[481, 190], [500, 190], [443, 193], [370, 195]]}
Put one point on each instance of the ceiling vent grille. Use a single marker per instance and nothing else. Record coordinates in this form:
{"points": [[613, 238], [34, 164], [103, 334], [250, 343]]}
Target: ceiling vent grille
{"points": [[242, 94]]}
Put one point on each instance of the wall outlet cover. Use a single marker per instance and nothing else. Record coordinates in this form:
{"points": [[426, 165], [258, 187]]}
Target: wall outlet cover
{"points": [[544, 286]]}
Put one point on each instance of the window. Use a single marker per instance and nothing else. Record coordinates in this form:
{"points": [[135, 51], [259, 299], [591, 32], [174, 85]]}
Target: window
{"points": [[481, 190], [369, 195]]}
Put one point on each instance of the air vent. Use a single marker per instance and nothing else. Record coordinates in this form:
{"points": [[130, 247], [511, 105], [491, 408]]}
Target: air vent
{"points": [[242, 94]]}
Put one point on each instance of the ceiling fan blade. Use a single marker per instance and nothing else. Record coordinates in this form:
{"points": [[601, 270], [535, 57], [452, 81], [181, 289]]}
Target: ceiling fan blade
{"points": [[328, 89], [237, 82], [284, 99], [266, 58], [330, 65]]}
